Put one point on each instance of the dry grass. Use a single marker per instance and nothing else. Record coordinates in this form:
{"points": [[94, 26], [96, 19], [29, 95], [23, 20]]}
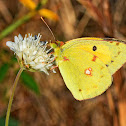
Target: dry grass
{"points": [[56, 106]]}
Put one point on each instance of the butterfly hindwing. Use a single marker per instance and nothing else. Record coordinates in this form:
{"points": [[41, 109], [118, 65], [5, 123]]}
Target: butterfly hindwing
{"points": [[85, 75]]}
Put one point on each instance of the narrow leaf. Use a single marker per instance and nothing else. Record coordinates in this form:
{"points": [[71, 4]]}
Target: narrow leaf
{"points": [[16, 24], [3, 71], [12, 122], [30, 82]]}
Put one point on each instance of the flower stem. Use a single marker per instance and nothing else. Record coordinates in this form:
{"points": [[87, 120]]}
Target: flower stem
{"points": [[12, 96], [16, 24]]}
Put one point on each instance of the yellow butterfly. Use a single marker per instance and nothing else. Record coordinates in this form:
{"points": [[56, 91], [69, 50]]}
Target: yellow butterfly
{"points": [[87, 64]]}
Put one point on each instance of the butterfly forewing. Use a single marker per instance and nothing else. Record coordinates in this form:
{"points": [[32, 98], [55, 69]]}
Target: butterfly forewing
{"points": [[111, 52]]}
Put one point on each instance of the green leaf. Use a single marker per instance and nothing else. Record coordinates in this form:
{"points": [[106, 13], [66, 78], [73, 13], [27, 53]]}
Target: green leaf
{"points": [[12, 122], [3, 71], [30, 82], [13, 59]]}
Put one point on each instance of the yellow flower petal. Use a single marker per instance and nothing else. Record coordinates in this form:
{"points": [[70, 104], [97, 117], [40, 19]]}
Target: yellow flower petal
{"points": [[48, 14], [29, 4]]}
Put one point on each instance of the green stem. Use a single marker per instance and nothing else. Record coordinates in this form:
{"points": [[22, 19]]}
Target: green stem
{"points": [[16, 24], [12, 96]]}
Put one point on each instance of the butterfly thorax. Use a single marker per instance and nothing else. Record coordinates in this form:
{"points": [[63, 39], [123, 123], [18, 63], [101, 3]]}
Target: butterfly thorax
{"points": [[57, 46]]}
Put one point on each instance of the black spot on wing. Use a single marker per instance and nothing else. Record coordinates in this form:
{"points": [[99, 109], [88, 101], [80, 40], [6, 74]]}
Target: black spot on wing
{"points": [[94, 48], [107, 65]]}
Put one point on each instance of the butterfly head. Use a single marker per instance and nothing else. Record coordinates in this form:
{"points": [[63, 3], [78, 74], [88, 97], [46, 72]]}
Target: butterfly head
{"points": [[56, 44]]}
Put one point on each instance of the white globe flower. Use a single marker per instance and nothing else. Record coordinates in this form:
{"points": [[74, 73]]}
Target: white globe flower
{"points": [[32, 53]]}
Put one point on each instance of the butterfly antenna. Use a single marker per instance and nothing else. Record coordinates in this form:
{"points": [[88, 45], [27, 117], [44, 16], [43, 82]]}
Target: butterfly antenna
{"points": [[48, 28]]}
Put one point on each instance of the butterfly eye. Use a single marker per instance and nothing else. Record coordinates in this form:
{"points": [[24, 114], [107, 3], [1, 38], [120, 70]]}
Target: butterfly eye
{"points": [[94, 48]]}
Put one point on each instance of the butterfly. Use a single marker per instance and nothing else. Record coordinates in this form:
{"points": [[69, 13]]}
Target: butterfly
{"points": [[87, 64]]}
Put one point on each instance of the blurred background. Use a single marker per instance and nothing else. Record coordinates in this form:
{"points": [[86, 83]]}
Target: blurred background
{"points": [[44, 100]]}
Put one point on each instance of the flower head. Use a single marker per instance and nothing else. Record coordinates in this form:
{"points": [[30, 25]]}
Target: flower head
{"points": [[32, 53]]}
